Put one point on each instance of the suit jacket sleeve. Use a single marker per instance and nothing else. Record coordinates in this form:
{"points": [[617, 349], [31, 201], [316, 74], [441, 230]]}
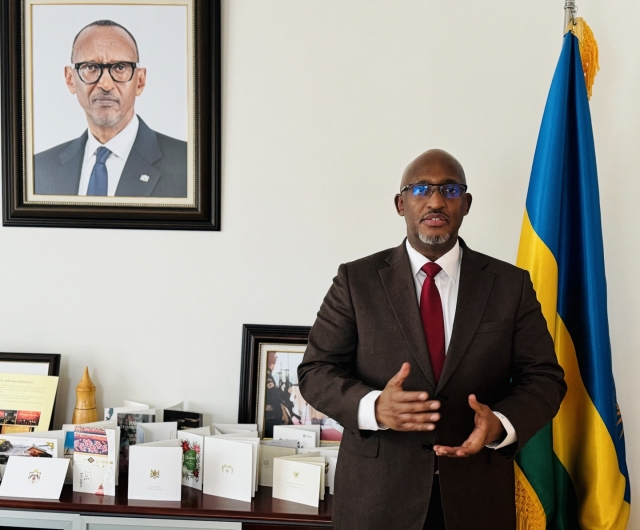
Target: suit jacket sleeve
{"points": [[538, 385], [325, 374]]}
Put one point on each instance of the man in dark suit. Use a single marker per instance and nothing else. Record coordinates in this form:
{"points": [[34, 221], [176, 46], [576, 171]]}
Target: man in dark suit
{"points": [[437, 361], [119, 155]]}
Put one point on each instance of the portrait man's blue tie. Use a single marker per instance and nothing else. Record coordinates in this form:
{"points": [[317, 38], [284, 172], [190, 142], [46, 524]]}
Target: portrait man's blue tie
{"points": [[99, 177]]}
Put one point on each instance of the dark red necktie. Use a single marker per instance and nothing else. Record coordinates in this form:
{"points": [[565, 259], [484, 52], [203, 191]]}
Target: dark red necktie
{"points": [[432, 318]]}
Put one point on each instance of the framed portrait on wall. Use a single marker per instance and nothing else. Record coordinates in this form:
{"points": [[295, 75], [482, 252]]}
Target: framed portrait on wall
{"points": [[269, 392], [111, 113]]}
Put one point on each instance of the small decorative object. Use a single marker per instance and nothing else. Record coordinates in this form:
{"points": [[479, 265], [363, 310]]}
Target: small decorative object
{"points": [[86, 410]]}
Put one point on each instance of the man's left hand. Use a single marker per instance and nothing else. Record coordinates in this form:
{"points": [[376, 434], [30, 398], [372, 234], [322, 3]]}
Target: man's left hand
{"points": [[488, 429]]}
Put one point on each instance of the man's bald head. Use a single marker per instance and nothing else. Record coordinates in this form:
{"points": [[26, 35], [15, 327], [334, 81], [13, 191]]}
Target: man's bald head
{"points": [[429, 160], [103, 24]]}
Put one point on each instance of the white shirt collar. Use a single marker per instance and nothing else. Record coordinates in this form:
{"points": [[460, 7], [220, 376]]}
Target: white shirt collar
{"points": [[450, 262], [121, 144]]}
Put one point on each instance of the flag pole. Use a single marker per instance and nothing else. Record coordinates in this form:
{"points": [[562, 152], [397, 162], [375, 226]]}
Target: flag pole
{"points": [[570, 10]]}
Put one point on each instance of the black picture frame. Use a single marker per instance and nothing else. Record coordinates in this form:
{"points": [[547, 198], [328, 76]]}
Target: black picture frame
{"points": [[253, 335], [51, 359], [205, 215]]}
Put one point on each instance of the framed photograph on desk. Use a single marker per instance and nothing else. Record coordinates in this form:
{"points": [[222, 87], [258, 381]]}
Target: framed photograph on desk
{"points": [[269, 392], [27, 364], [111, 113]]}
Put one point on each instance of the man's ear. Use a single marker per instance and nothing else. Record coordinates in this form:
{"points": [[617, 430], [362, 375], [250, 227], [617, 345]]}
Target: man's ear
{"points": [[142, 80], [399, 202], [469, 199], [69, 80]]}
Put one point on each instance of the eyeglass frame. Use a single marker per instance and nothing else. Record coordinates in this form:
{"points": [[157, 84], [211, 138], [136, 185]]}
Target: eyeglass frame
{"points": [[438, 187], [102, 66]]}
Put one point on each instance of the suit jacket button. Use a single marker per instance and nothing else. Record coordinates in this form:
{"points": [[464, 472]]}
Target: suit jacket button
{"points": [[427, 447]]}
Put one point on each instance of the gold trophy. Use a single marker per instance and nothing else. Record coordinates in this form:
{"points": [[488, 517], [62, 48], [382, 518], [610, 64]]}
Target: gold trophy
{"points": [[86, 410]]}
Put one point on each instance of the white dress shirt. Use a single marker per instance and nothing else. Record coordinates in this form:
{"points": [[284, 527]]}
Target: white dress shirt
{"points": [[120, 146], [447, 282]]}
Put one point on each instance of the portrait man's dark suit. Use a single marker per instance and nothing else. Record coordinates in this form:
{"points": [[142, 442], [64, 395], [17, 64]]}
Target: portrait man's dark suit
{"points": [[161, 158], [500, 350]]}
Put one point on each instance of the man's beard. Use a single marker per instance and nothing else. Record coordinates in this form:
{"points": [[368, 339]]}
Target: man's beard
{"points": [[434, 240], [105, 121]]}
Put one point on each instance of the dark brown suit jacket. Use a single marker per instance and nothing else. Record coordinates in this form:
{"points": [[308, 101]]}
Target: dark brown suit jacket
{"points": [[500, 350]]}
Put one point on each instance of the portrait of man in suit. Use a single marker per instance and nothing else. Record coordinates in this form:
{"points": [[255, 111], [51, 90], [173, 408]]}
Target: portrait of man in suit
{"points": [[118, 154], [437, 361]]}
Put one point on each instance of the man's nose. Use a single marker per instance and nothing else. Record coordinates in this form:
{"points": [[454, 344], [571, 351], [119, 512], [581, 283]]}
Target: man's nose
{"points": [[436, 201], [106, 83]]}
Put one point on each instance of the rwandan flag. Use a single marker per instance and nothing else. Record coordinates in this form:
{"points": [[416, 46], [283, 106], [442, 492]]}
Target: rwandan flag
{"points": [[573, 473]]}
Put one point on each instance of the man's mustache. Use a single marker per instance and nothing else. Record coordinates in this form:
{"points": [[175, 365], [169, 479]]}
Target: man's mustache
{"points": [[431, 213], [104, 95]]}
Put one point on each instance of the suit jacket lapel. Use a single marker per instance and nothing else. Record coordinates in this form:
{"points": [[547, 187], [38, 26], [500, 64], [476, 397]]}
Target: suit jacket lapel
{"points": [[67, 176], [145, 151], [473, 295], [401, 293]]}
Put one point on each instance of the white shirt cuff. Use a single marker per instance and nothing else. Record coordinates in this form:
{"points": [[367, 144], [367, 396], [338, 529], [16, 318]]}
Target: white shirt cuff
{"points": [[367, 413], [511, 432]]}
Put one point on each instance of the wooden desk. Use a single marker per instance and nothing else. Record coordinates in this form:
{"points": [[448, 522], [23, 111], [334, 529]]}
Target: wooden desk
{"points": [[263, 513]]}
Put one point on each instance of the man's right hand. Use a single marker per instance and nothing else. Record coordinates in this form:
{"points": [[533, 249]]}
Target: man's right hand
{"points": [[405, 411]]}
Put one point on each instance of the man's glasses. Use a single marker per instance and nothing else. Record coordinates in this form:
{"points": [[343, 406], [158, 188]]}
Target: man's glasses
{"points": [[447, 191], [90, 73]]}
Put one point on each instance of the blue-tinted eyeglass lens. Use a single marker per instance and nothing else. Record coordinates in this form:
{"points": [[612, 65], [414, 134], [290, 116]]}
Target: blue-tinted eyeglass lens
{"points": [[448, 191], [451, 191]]}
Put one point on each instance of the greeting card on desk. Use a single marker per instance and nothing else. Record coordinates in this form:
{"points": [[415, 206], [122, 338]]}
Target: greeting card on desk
{"points": [[307, 435], [94, 460], [128, 423], [331, 474], [192, 441], [156, 432], [57, 435], [250, 438], [34, 479], [23, 446], [184, 418], [231, 428], [69, 438], [228, 469], [293, 444], [298, 480], [267, 454], [154, 471], [331, 456], [110, 413]]}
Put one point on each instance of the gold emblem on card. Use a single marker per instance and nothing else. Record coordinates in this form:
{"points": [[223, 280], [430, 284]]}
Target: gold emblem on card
{"points": [[155, 473], [34, 476], [227, 469], [296, 474]]}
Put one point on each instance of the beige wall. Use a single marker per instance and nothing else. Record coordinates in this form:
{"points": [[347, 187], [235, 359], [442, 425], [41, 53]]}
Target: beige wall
{"points": [[324, 102]]}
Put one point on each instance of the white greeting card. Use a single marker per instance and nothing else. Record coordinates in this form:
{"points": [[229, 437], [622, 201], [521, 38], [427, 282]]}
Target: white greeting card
{"points": [[156, 432], [229, 469], [299, 479], [230, 428], [154, 471], [267, 454], [94, 460], [34, 478], [307, 435]]}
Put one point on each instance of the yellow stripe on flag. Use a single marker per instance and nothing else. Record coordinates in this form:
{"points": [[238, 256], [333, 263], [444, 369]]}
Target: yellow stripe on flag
{"points": [[581, 440]]}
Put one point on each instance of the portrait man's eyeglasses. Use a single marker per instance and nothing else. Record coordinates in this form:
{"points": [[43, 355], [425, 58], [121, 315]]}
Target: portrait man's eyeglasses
{"points": [[90, 73], [447, 191]]}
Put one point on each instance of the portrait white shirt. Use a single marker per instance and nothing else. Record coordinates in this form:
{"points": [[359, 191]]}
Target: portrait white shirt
{"points": [[120, 146], [447, 282]]}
